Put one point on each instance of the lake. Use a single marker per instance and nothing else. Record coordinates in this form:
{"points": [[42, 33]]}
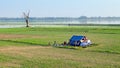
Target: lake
{"points": [[37, 24]]}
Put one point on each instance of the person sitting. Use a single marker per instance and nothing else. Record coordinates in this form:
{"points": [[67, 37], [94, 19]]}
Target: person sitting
{"points": [[85, 42], [65, 43]]}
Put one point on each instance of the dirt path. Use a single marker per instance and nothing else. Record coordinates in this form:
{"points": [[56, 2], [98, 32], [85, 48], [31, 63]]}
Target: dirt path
{"points": [[12, 48], [10, 36]]}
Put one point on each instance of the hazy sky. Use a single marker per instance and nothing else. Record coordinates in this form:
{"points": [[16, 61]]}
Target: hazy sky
{"points": [[60, 8]]}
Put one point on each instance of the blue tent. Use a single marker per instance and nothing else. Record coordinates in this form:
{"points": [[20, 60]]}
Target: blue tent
{"points": [[75, 40]]}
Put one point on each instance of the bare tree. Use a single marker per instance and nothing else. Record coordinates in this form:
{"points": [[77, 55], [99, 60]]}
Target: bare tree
{"points": [[26, 17]]}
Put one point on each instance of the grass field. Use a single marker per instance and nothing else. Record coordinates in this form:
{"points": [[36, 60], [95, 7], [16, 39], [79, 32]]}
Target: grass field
{"points": [[28, 47]]}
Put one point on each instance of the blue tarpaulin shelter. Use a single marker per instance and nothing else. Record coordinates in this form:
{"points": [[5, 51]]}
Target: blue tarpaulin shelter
{"points": [[75, 40]]}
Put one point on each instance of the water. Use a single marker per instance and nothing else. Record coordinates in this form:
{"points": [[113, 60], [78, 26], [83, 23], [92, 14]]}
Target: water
{"points": [[50, 24], [105, 22]]}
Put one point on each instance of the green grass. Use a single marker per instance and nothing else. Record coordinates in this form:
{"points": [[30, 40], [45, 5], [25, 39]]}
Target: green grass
{"points": [[28, 47]]}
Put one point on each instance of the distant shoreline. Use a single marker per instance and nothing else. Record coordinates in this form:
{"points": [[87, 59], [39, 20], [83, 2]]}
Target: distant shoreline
{"points": [[61, 25]]}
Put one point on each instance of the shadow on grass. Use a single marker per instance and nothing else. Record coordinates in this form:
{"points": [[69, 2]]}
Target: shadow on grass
{"points": [[93, 44], [104, 51], [70, 47], [75, 47], [27, 43], [104, 33]]}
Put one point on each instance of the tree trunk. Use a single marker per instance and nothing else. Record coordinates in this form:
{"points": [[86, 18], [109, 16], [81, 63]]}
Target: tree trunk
{"points": [[26, 17], [27, 23]]}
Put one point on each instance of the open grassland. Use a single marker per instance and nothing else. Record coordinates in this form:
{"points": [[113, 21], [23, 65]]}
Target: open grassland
{"points": [[28, 47]]}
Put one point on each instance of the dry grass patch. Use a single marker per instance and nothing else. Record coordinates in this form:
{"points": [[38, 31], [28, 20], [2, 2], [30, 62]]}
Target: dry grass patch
{"points": [[9, 64], [50, 55], [12, 36], [22, 50]]}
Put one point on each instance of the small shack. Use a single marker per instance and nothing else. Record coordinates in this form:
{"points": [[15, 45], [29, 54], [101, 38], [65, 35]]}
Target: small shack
{"points": [[75, 40], [79, 41]]}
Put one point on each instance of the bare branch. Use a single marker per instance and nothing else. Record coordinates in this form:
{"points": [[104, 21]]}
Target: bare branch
{"points": [[28, 13], [26, 17]]}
